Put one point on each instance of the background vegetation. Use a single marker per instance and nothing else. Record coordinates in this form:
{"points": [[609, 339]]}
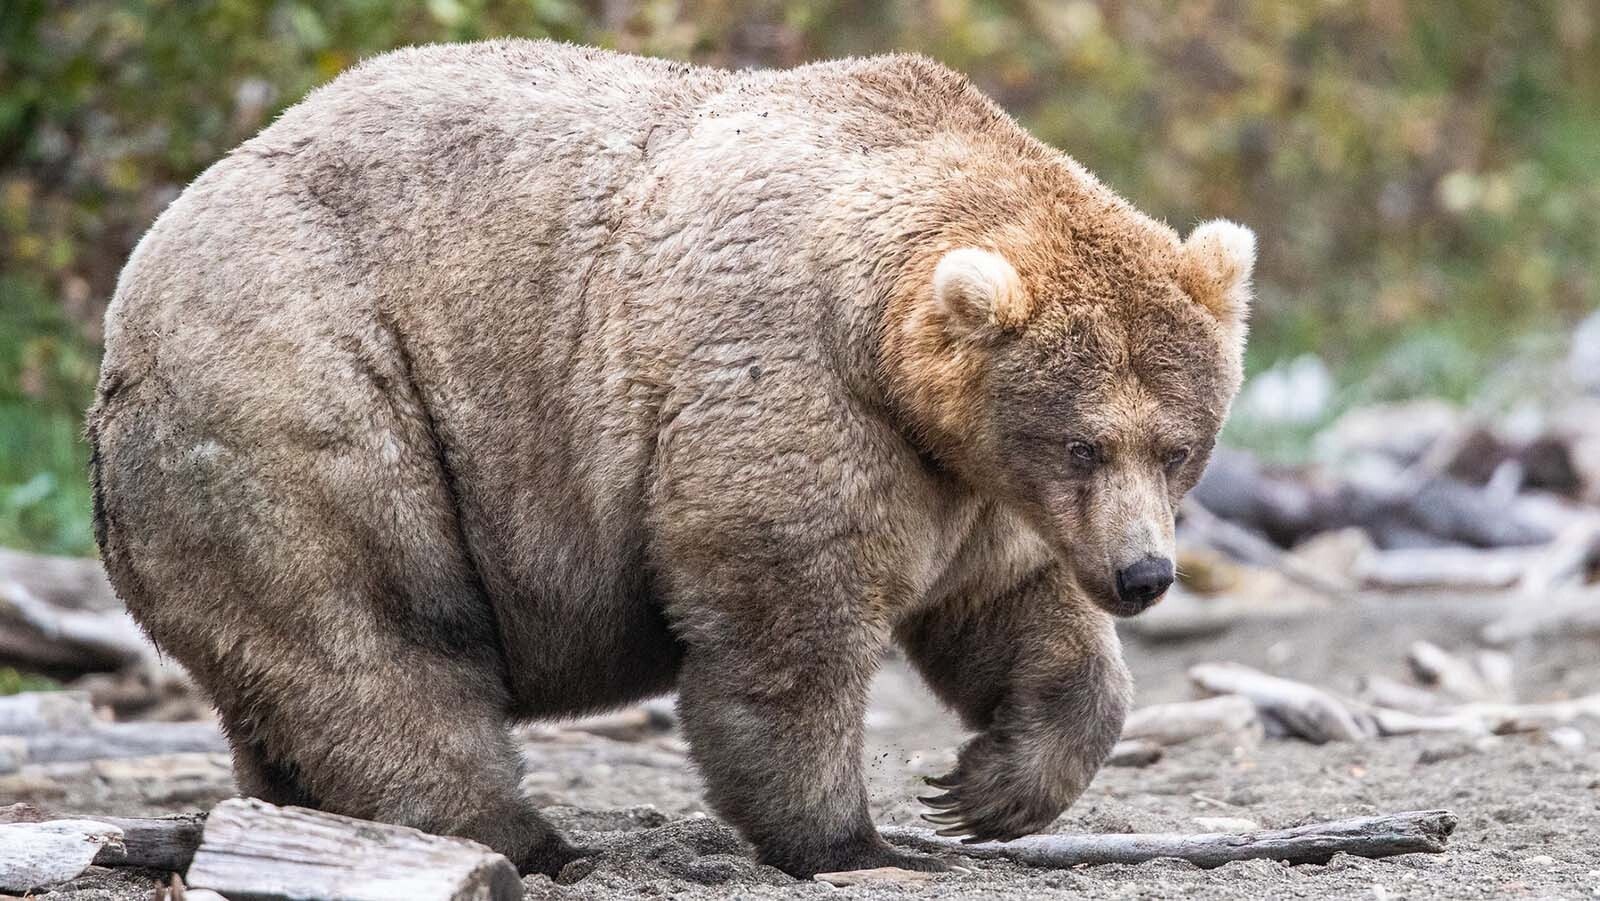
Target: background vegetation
{"points": [[1425, 177]]}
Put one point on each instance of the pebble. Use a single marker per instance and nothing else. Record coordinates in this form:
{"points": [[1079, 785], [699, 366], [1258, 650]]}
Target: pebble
{"points": [[1567, 738], [1540, 860], [1226, 824], [874, 876]]}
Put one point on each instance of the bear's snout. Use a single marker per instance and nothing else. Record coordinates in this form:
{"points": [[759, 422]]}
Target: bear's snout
{"points": [[1142, 584]]}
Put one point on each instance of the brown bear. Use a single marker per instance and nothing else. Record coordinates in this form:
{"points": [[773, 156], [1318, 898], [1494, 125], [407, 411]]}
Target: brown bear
{"points": [[516, 380]]}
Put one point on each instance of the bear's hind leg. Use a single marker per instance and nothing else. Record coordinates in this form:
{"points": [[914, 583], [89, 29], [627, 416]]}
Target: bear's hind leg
{"points": [[259, 776], [402, 737], [317, 587]]}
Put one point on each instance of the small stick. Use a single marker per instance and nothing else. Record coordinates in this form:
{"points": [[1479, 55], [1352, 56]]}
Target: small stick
{"points": [[1412, 832], [1134, 752]]}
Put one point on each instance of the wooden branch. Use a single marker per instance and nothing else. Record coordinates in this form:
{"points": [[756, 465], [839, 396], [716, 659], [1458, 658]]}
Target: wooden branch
{"points": [[1300, 709], [1134, 753], [1318, 716], [1455, 676], [38, 856], [256, 850], [1400, 722], [1504, 719], [1171, 724], [1414, 832]]}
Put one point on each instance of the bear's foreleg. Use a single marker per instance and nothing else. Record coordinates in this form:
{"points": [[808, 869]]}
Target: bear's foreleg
{"points": [[1039, 672], [775, 727]]}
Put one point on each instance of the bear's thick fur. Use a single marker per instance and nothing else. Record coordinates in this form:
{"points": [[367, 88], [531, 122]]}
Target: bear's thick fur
{"points": [[516, 380]]}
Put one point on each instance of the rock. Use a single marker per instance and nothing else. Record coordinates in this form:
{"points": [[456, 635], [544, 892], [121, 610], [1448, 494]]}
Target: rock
{"points": [[1567, 738], [1225, 824], [875, 876]]}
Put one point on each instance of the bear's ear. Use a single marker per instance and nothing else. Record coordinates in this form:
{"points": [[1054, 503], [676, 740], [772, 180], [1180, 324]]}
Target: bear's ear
{"points": [[1215, 270], [975, 287]]}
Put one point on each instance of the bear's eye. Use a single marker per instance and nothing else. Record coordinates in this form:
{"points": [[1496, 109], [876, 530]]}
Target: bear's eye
{"points": [[1177, 458], [1083, 452]]}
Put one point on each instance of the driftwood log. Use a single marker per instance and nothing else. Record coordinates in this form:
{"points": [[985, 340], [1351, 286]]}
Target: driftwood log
{"points": [[43, 712], [1315, 715], [107, 741], [251, 849], [1415, 506], [58, 615], [1175, 723], [1444, 568], [65, 583], [165, 779], [1294, 708], [61, 727], [37, 856], [1415, 832], [154, 843]]}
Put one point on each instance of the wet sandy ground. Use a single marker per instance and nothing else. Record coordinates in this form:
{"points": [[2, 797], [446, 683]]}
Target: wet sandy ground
{"points": [[1529, 810]]}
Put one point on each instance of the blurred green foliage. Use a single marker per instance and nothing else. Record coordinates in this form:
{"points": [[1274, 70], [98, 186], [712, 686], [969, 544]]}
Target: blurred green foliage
{"points": [[13, 682], [1425, 177]]}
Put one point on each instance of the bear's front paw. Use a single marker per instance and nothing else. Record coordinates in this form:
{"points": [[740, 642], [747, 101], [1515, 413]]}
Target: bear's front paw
{"points": [[993, 795]]}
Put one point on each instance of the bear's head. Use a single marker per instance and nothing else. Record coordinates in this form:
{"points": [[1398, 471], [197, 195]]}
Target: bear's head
{"points": [[1081, 381]]}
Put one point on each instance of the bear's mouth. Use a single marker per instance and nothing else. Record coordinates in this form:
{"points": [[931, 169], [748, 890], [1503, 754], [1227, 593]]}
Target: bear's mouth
{"points": [[1126, 609]]}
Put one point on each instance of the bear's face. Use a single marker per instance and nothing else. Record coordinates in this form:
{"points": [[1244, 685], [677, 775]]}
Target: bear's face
{"points": [[1091, 415]]}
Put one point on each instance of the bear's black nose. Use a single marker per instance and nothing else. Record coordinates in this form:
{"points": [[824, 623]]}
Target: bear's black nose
{"points": [[1140, 584]]}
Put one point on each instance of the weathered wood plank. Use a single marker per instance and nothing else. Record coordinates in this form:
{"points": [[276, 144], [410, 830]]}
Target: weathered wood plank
{"points": [[256, 850], [37, 856]]}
